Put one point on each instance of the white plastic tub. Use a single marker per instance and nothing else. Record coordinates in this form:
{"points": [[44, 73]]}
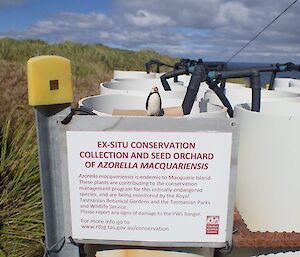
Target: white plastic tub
{"points": [[105, 104], [209, 111], [283, 83], [283, 254], [152, 253], [295, 90], [147, 81], [185, 79], [119, 74], [287, 84], [269, 167], [238, 95], [141, 88]]}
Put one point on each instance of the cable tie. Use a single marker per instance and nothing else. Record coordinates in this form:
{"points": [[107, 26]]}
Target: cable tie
{"points": [[82, 109], [47, 252], [80, 246]]}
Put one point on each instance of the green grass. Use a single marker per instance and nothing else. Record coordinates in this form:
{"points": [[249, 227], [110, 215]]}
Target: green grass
{"points": [[82, 56], [244, 81], [21, 217]]}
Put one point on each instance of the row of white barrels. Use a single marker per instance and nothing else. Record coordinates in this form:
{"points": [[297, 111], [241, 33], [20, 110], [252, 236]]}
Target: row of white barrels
{"points": [[268, 167]]}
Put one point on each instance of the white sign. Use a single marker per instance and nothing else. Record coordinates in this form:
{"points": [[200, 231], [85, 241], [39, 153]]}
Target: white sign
{"points": [[149, 186]]}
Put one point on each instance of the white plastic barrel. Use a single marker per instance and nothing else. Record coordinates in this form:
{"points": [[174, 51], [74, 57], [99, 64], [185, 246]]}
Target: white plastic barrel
{"points": [[141, 88], [287, 84], [206, 93], [281, 83], [209, 111], [105, 104], [295, 90], [238, 95], [185, 79], [295, 83], [120, 74], [282, 254], [152, 253], [158, 75], [147, 81], [269, 166], [202, 89]]}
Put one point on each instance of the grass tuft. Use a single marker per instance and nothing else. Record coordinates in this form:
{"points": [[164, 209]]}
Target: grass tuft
{"points": [[21, 216]]}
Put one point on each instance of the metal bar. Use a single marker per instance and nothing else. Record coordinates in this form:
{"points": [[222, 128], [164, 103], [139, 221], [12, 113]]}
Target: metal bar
{"points": [[256, 92], [170, 74], [51, 178], [239, 73], [219, 92], [272, 80], [223, 85], [198, 76]]}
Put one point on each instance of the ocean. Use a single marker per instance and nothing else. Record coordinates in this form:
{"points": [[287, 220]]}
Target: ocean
{"points": [[265, 76]]}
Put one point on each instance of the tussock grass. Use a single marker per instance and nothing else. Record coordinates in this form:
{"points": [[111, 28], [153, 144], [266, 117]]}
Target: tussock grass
{"points": [[244, 81], [13, 86], [21, 216]]}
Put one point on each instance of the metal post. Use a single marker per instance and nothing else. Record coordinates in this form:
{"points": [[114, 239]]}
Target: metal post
{"points": [[171, 74], [256, 91], [198, 76], [223, 85], [272, 80], [220, 93], [157, 68], [51, 179]]}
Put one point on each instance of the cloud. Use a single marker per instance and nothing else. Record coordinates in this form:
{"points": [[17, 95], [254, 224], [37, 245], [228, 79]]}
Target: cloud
{"points": [[230, 24], [143, 18], [4, 3], [233, 13], [188, 13], [70, 23], [208, 29]]}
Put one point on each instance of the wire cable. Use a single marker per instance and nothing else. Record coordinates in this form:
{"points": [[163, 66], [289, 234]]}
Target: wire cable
{"points": [[257, 35]]}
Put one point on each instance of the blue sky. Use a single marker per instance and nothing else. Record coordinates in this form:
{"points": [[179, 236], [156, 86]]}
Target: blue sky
{"points": [[20, 15], [208, 29]]}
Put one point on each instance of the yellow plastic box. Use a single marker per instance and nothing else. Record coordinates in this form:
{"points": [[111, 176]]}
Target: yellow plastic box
{"points": [[49, 80]]}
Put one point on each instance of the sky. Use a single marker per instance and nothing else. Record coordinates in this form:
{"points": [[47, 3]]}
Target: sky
{"points": [[209, 29]]}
